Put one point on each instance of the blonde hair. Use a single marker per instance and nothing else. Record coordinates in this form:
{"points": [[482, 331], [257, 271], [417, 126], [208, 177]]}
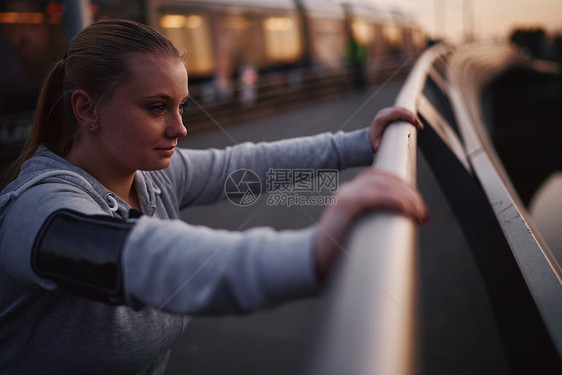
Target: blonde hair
{"points": [[96, 62]]}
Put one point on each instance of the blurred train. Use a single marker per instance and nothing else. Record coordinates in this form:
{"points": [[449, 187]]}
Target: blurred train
{"points": [[235, 50]]}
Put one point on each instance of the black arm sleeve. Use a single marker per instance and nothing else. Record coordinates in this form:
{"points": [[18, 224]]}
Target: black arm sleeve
{"points": [[82, 254]]}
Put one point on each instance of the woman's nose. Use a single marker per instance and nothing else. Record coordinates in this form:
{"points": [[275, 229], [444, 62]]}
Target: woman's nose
{"points": [[176, 128]]}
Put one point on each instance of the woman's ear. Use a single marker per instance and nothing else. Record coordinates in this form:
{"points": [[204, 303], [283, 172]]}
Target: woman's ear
{"points": [[83, 106]]}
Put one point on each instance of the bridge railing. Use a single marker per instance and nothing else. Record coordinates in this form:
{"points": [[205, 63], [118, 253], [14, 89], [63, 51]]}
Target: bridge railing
{"points": [[369, 326], [523, 277]]}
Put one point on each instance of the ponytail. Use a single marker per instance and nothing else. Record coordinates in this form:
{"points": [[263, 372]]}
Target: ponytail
{"points": [[52, 125]]}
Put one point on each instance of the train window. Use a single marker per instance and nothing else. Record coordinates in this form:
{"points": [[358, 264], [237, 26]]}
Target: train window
{"points": [[362, 32], [190, 33], [328, 42], [393, 36], [282, 42]]}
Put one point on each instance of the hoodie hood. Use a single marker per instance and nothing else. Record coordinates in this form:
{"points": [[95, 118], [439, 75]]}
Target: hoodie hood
{"points": [[47, 167]]}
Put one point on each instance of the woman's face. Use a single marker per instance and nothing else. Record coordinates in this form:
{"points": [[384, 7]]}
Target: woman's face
{"points": [[141, 123]]}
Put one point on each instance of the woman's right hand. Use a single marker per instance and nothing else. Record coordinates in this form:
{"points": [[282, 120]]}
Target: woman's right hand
{"points": [[371, 190]]}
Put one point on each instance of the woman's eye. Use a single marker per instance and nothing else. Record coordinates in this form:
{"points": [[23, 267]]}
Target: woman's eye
{"points": [[158, 108], [183, 106]]}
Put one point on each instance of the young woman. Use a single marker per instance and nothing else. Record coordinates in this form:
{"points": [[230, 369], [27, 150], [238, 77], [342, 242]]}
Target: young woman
{"points": [[97, 274]]}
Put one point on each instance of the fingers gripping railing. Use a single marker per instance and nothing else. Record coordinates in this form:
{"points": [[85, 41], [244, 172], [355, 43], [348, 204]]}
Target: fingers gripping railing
{"points": [[370, 324]]}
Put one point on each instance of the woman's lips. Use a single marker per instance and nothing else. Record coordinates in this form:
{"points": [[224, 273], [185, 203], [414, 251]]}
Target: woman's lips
{"points": [[166, 151]]}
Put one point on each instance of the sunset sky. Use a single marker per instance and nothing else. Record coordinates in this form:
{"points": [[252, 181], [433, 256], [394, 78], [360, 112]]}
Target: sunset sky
{"points": [[490, 17]]}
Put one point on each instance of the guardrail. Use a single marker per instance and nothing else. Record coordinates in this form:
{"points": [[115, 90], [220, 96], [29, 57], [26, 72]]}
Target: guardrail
{"points": [[524, 279], [369, 326]]}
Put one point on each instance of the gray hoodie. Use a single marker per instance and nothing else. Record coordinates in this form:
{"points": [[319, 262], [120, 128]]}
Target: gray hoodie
{"points": [[170, 269]]}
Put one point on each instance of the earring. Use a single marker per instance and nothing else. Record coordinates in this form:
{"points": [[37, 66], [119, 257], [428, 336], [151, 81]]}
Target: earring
{"points": [[93, 128]]}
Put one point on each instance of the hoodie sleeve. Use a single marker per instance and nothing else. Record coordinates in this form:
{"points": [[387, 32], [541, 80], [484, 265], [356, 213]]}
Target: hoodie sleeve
{"points": [[171, 265], [182, 268], [199, 175]]}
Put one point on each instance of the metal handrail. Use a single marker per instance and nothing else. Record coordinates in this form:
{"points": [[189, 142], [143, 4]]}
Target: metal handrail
{"points": [[370, 322], [471, 69]]}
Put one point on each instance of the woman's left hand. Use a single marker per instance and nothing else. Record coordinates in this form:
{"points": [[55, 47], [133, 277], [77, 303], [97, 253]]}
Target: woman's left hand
{"points": [[386, 116], [371, 190]]}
